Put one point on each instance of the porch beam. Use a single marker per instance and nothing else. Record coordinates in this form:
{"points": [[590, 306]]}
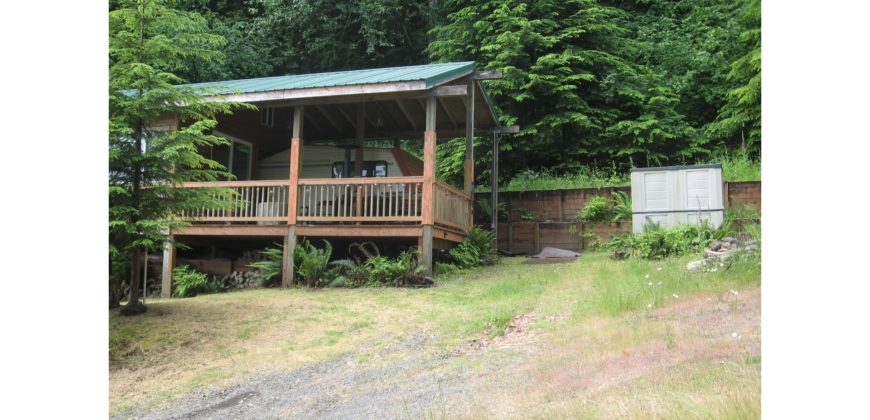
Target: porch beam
{"points": [[346, 117], [449, 90], [447, 112], [407, 114], [486, 75], [328, 118], [310, 119]]}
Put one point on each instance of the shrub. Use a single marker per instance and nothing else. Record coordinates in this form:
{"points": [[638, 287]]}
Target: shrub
{"points": [[383, 271], [655, 242], [188, 282], [272, 266], [596, 209], [477, 249], [739, 167], [621, 206], [445, 268], [484, 241], [581, 177], [311, 262], [485, 206], [465, 255]]}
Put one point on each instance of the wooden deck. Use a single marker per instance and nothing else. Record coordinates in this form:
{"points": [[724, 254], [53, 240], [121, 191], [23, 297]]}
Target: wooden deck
{"points": [[342, 207]]}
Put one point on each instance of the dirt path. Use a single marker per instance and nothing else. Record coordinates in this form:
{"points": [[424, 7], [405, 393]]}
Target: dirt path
{"points": [[415, 379]]}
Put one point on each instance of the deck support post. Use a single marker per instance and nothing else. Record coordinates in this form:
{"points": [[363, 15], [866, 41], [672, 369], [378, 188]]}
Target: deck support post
{"points": [[429, 140], [168, 266], [287, 269], [292, 196], [425, 246]]}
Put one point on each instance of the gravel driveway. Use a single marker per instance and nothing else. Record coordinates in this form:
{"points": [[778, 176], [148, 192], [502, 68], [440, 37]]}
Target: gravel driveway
{"points": [[411, 381]]}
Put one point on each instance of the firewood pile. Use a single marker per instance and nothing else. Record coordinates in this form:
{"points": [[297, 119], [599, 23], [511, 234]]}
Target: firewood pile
{"points": [[243, 279]]}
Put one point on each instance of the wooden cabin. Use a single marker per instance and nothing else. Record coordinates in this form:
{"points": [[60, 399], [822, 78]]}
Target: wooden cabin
{"points": [[306, 165]]}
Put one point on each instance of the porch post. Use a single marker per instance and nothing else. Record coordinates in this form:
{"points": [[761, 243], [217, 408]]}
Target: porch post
{"points": [[360, 135], [168, 266], [469, 140], [292, 199], [429, 139], [494, 192]]}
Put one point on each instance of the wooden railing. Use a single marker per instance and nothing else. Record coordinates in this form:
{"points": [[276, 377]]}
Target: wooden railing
{"points": [[354, 200], [395, 199], [249, 201], [452, 207]]}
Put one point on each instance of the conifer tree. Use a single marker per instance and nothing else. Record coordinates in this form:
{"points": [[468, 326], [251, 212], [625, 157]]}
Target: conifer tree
{"points": [[740, 117], [566, 82], [148, 39]]}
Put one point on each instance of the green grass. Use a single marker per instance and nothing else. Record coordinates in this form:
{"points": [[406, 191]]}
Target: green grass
{"points": [[739, 167], [185, 344], [735, 168], [584, 178]]}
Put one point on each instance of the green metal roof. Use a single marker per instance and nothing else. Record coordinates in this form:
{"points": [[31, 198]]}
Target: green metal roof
{"points": [[431, 74]]}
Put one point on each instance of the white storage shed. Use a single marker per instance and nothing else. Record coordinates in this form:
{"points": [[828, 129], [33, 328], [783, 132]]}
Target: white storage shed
{"points": [[675, 195]]}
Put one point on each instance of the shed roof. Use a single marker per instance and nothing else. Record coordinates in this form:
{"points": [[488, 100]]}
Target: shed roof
{"points": [[430, 74]]}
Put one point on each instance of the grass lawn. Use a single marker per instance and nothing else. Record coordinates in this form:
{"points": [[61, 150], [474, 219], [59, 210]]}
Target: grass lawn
{"points": [[634, 335]]}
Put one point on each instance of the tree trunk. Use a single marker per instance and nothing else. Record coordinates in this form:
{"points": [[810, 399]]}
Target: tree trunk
{"points": [[114, 295], [134, 307]]}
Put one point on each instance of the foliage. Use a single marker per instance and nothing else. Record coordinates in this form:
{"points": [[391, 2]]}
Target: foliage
{"points": [[584, 177], [620, 206], [484, 241], [740, 116], [401, 271], [617, 208], [445, 268], [465, 255], [272, 266], [596, 209], [526, 214], [311, 262], [188, 282], [147, 42], [739, 167], [485, 205], [276, 37], [656, 243]]}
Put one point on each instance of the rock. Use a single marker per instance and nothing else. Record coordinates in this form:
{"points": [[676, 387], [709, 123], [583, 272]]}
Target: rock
{"points": [[729, 239], [695, 265], [716, 254]]}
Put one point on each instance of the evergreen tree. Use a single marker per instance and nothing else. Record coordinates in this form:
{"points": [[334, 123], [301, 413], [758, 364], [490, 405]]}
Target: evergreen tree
{"points": [[740, 118], [566, 82], [148, 40]]}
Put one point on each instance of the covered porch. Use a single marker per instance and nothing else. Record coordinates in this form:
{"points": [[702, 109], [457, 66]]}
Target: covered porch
{"points": [[323, 156]]}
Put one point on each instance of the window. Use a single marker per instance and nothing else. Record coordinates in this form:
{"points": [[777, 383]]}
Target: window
{"points": [[236, 157], [371, 169], [267, 116]]}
